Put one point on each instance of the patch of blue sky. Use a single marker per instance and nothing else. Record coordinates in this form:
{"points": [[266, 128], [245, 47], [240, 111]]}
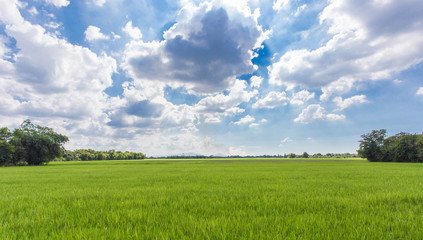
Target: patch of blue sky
{"points": [[180, 96], [118, 79], [10, 43]]}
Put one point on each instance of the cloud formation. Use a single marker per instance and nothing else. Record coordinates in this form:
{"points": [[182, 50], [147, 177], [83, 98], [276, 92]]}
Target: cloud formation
{"points": [[272, 100], [362, 47], [58, 3], [315, 112], [51, 79], [345, 103], [204, 51], [178, 76], [245, 120], [94, 33], [133, 32]]}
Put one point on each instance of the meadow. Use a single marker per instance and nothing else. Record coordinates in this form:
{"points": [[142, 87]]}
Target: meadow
{"points": [[212, 199]]}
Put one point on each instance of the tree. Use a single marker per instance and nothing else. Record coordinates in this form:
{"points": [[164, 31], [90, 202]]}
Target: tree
{"points": [[36, 144], [371, 145], [292, 155], [6, 148], [305, 155], [402, 147], [406, 149]]}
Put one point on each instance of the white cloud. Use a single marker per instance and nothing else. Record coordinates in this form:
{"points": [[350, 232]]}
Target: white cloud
{"points": [[99, 2], [420, 91], [52, 80], [33, 11], [272, 100], [301, 97], [345, 103], [212, 120], [53, 25], [368, 42], [263, 120], [133, 32], [397, 81], [315, 112], [58, 3], [279, 5], [300, 9], [256, 81], [115, 36], [285, 141], [245, 120], [251, 121], [338, 87], [226, 104], [207, 47], [93, 33]]}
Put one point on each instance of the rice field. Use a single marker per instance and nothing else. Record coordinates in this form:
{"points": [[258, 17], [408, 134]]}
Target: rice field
{"points": [[212, 199]]}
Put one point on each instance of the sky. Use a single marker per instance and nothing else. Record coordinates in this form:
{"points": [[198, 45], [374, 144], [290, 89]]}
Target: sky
{"points": [[241, 77]]}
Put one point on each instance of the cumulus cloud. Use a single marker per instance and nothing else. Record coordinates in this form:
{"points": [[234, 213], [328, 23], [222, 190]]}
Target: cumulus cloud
{"points": [[94, 33], [279, 5], [49, 77], [420, 91], [301, 97], [315, 112], [245, 120], [133, 32], [369, 41], [272, 100], [143, 107], [221, 103], [338, 87], [204, 51], [345, 103], [212, 120], [99, 2], [58, 3], [256, 81]]}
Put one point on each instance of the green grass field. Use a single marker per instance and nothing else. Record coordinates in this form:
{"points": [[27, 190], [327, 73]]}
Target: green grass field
{"points": [[224, 199]]}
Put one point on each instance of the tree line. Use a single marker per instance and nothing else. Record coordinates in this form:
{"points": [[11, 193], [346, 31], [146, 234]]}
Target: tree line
{"points": [[290, 155], [402, 147], [31, 144], [89, 155]]}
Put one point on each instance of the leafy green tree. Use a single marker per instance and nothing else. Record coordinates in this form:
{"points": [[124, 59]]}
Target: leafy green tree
{"points": [[6, 148], [36, 144], [305, 155], [292, 155], [405, 149], [371, 145]]}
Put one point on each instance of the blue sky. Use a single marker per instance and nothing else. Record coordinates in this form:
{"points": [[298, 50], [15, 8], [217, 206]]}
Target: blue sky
{"points": [[242, 77]]}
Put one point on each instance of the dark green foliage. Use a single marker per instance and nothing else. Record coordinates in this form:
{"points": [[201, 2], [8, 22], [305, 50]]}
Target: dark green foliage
{"points": [[371, 144], [89, 154], [6, 148], [30, 144], [402, 147]]}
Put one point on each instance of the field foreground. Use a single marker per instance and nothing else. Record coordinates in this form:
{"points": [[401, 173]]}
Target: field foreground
{"points": [[225, 199]]}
